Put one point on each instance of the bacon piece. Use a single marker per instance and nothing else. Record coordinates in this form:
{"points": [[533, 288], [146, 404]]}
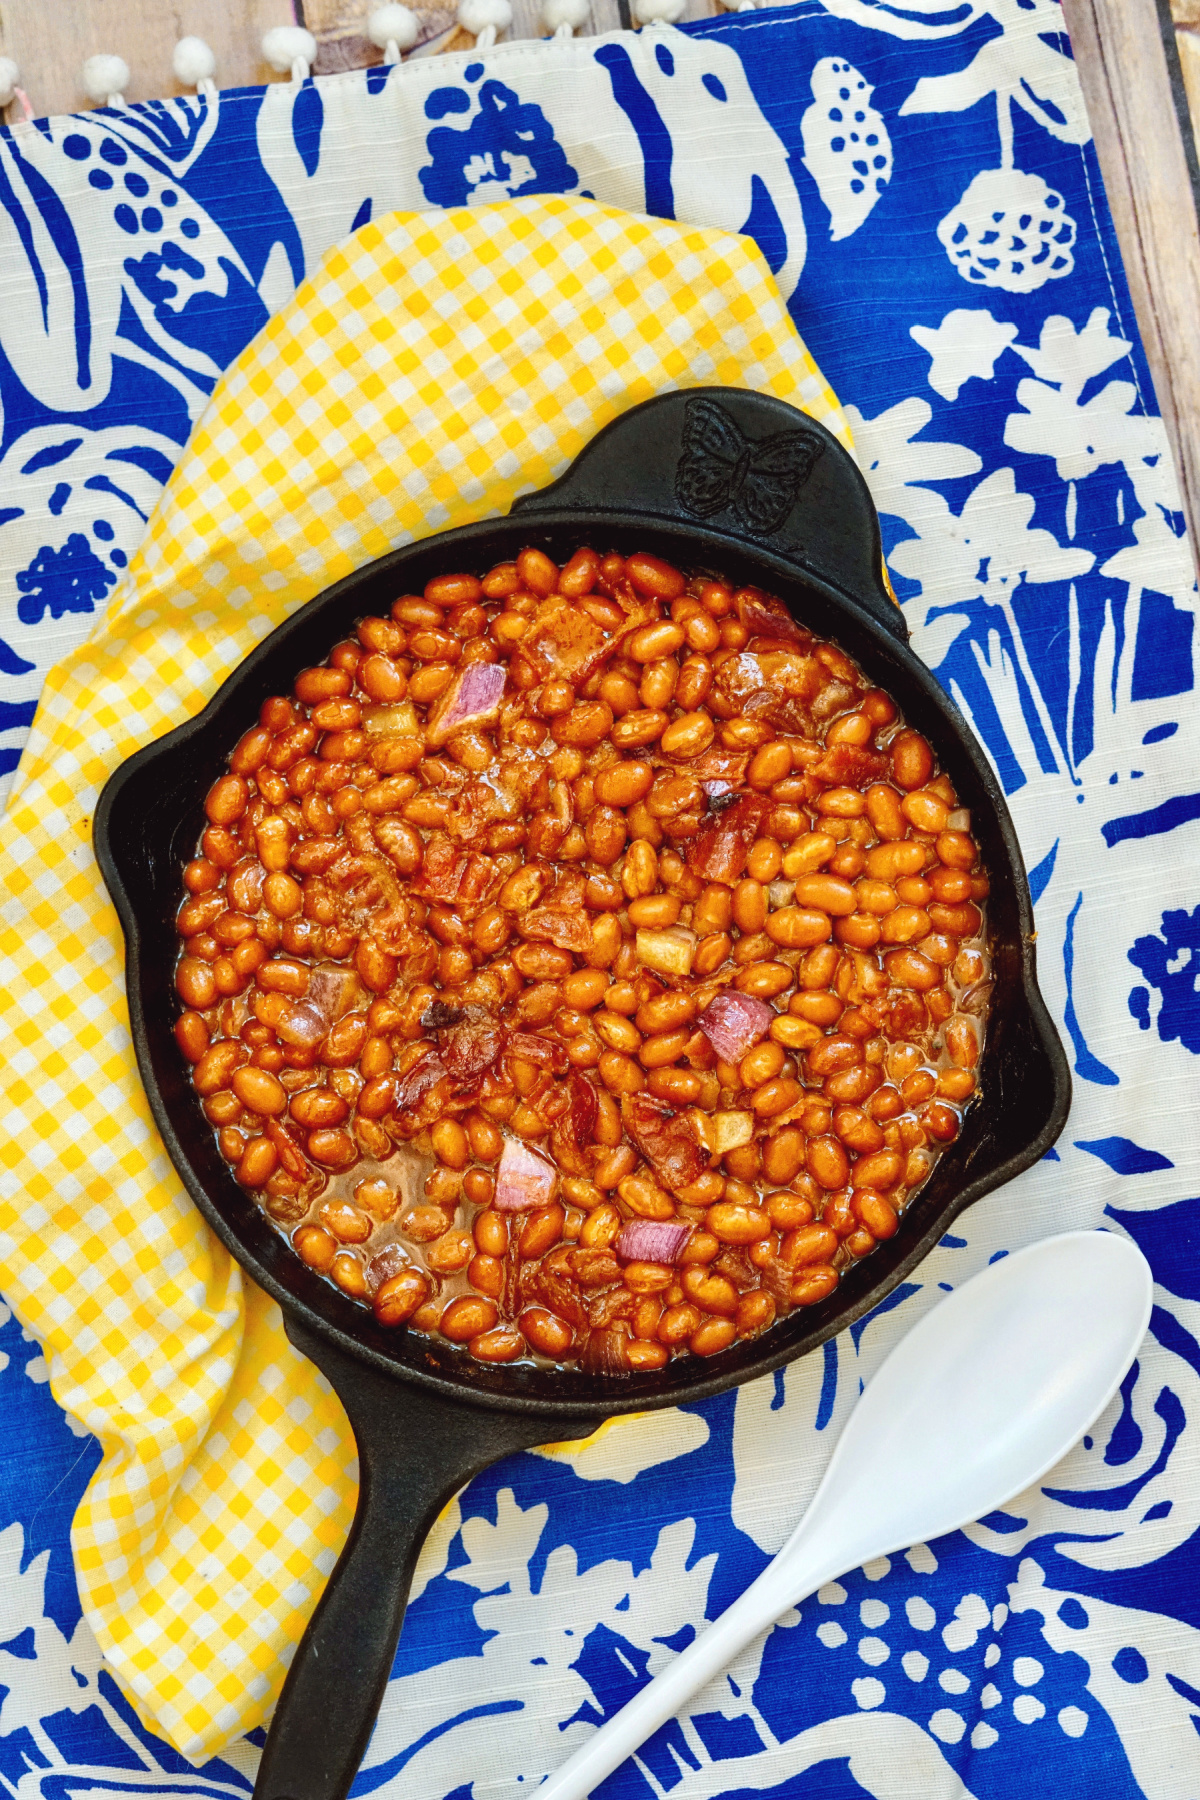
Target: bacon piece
{"points": [[604, 1352], [555, 925], [441, 871], [733, 1023], [563, 643], [524, 1178], [719, 853], [721, 765], [468, 1049], [291, 1157], [901, 1014], [615, 1303], [560, 1293], [472, 699], [764, 677], [665, 1139], [849, 765], [391, 1259], [594, 1267], [412, 1088], [571, 1138], [764, 616], [549, 1052]]}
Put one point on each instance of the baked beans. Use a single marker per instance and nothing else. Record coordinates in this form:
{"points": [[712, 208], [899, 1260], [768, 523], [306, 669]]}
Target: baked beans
{"points": [[583, 964]]}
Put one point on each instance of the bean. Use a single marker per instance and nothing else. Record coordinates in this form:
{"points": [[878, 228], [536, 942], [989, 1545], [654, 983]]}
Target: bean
{"points": [[541, 1229], [485, 1139], [768, 765], [639, 875], [957, 849], [904, 924], [775, 1096], [227, 800], [736, 1223], [349, 1224], [761, 1064], [450, 1252], [881, 1170], [546, 1333], [711, 1293], [588, 723], [925, 810], [259, 1092], [623, 783], [317, 1107], [713, 911], [450, 1143], [962, 1043], [712, 1337], [749, 906], [813, 1284], [500, 1345], [653, 577], [796, 927], [467, 1317], [828, 1163], [829, 892], [652, 642], [912, 760], [644, 725], [887, 861], [809, 852], [941, 1122], [316, 1247], [399, 1297], [876, 1213], [195, 983], [332, 1149], [909, 969], [691, 690], [580, 574], [217, 1065]]}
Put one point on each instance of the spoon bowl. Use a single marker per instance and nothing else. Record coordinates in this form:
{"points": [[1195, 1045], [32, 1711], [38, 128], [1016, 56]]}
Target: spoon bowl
{"points": [[984, 1395]]}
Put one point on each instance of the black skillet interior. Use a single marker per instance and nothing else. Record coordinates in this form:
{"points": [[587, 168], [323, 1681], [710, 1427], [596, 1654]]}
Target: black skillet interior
{"points": [[717, 480]]}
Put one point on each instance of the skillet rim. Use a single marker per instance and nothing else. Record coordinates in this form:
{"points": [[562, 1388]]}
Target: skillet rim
{"points": [[530, 519]]}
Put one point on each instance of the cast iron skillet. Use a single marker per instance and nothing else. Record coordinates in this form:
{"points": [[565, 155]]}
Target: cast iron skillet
{"points": [[719, 479]]}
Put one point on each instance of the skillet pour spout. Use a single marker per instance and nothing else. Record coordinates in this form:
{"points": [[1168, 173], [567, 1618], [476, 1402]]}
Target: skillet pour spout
{"points": [[712, 480]]}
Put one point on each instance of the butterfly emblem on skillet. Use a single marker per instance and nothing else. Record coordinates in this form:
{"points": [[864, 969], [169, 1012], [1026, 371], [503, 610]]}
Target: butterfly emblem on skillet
{"points": [[722, 468]]}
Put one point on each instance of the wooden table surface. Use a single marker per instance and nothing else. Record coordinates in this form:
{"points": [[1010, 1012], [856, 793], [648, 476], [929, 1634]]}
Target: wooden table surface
{"points": [[1139, 61]]}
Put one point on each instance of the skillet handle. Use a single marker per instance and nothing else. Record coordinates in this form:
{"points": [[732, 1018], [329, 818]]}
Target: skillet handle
{"points": [[743, 465], [416, 1450]]}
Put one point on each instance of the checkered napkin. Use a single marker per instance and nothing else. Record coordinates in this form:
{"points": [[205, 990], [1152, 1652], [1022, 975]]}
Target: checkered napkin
{"points": [[434, 368]]}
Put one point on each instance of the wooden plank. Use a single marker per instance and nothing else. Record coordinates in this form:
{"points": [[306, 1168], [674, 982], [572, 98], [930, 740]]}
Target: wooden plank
{"points": [[52, 39], [1126, 82]]}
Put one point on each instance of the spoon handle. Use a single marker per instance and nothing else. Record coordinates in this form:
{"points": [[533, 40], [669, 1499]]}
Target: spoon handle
{"points": [[713, 1650]]}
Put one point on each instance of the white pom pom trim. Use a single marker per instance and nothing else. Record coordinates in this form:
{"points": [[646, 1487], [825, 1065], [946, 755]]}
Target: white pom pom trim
{"points": [[659, 12], [484, 18], [193, 61], [564, 16], [290, 47], [10, 75], [393, 29], [105, 79]]}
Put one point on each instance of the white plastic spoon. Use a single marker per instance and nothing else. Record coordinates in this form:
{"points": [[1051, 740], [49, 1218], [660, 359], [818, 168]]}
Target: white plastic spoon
{"points": [[984, 1395]]}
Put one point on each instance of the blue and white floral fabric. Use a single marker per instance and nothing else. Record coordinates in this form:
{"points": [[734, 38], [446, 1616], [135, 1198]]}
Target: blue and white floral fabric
{"points": [[921, 178]]}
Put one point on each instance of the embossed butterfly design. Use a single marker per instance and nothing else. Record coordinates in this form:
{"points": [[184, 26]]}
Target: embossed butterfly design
{"points": [[720, 467]]}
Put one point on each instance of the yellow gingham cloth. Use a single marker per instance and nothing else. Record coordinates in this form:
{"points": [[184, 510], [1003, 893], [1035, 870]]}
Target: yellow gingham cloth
{"points": [[434, 368]]}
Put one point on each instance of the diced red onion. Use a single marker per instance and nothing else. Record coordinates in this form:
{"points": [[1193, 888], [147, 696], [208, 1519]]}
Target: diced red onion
{"points": [[523, 1179], [652, 1240], [474, 699], [733, 1023]]}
